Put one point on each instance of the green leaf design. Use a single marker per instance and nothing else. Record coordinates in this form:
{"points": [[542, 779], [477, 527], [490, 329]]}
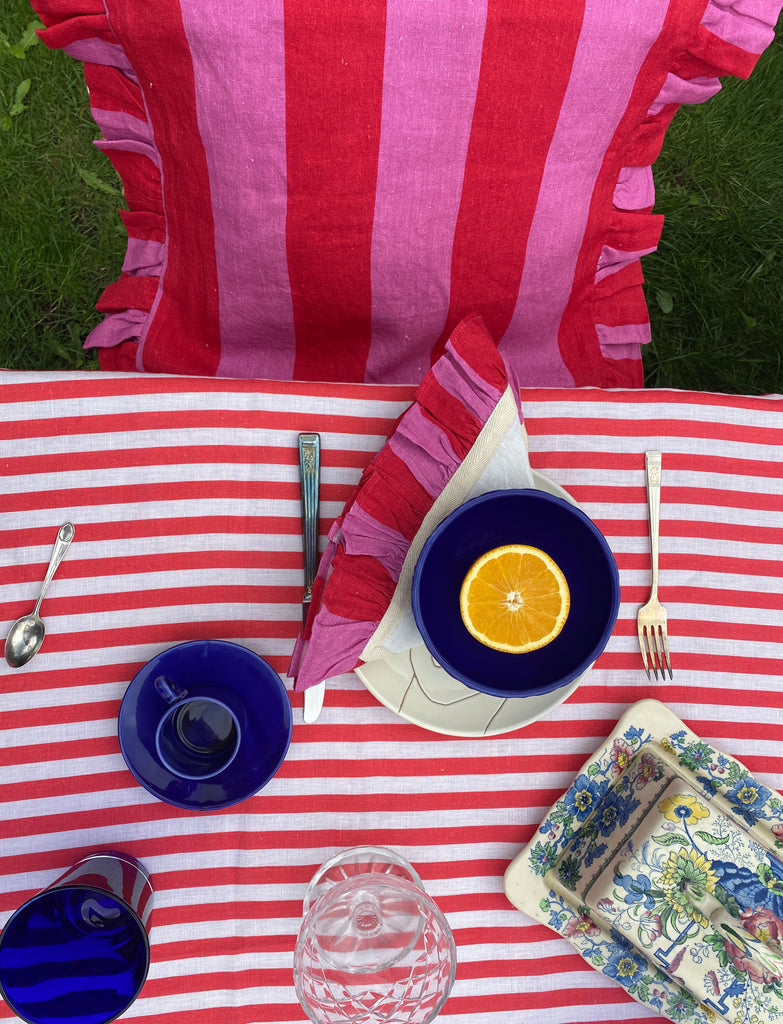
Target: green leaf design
{"points": [[670, 839], [765, 873], [768, 878], [712, 840]]}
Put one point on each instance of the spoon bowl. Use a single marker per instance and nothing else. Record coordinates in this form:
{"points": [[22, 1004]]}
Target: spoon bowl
{"points": [[27, 633]]}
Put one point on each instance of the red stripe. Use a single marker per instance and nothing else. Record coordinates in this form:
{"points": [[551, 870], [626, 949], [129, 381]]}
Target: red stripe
{"points": [[174, 455], [690, 463], [658, 397], [184, 561], [334, 77], [178, 491], [184, 336], [110, 89], [265, 421], [525, 69], [750, 434], [140, 180], [447, 412], [29, 388], [394, 496]]}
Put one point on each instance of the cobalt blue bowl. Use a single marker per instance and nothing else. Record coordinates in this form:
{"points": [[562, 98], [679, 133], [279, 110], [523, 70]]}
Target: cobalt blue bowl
{"points": [[516, 517]]}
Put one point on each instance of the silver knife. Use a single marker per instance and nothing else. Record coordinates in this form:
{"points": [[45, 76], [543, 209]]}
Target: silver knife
{"points": [[310, 474]]}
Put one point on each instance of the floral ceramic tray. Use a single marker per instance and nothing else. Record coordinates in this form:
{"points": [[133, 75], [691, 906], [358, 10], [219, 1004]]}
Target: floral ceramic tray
{"points": [[661, 866]]}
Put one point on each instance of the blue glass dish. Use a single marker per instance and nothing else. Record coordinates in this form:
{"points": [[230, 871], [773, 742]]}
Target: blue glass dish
{"points": [[208, 668], [73, 955], [516, 517]]}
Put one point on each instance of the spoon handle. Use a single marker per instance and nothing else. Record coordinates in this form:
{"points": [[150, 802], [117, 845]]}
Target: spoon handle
{"points": [[61, 545]]}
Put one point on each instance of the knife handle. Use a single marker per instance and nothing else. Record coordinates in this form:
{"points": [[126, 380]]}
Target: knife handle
{"points": [[310, 472]]}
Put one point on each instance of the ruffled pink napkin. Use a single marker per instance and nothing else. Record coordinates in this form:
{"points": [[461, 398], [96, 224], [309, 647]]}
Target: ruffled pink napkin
{"points": [[462, 435]]}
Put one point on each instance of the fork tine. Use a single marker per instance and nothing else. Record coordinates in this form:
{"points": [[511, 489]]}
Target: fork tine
{"points": [[657, 648], [665, 638]]}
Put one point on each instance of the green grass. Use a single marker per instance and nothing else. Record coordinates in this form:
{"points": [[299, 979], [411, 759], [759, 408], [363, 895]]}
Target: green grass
{"points": [[61, 239], [715, 286]]}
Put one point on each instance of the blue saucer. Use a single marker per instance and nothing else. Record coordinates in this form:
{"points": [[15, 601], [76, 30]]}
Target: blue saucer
{"points": [[247, 684]]}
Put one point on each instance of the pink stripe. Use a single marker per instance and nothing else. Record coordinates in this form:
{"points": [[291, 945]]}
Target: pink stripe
{"points": [[747, 24], [611, 260], [118, 125], [98, 51], [340, 642], [116, 328], [615, 39], [425, 450], [623, 342], [240, 101], [432, 58], [459, 379], [635, 189], [143, 256], [684, 90], [365, 535]]}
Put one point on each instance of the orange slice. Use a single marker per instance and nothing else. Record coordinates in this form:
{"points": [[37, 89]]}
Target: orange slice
{"points": [[514, 598]]}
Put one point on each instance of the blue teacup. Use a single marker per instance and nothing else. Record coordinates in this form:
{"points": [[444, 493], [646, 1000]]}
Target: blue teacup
{"points": [[197, 737]]}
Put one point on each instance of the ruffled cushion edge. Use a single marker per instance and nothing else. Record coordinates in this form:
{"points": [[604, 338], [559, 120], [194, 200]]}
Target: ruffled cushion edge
{"points": [[81, 29], [728, 41], [368, 542]]}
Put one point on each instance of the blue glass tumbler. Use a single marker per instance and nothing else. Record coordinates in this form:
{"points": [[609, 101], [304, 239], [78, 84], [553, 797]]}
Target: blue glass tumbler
{"points": [[78, 952]]}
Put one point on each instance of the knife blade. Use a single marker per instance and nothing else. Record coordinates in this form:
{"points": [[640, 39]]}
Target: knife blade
{"points": [[310, 476]]}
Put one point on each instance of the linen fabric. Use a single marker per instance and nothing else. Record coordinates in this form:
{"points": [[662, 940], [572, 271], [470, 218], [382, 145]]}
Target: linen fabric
{"points": [[185, 496], [323, 190]]}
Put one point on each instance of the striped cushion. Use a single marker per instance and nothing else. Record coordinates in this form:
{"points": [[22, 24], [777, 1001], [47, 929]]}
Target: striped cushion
{"points": [[323, 189]]}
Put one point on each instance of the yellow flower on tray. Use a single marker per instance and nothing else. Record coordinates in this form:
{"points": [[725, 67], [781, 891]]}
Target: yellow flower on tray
{"points": [[686, 877], [684, 808]]}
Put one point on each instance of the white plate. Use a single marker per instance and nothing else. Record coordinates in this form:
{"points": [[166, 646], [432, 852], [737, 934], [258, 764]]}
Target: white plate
{"points": [[414, 686]]}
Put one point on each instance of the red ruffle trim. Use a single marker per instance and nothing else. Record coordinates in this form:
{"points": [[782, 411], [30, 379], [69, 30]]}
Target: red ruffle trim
{"points": [[728, 41], [81, 28]]}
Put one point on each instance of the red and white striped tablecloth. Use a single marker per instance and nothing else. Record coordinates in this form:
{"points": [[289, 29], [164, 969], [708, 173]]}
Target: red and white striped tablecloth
{"points": [[185, 497]]}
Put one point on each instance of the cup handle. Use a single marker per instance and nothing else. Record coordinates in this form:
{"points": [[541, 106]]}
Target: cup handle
{"points": [[170, 691]]}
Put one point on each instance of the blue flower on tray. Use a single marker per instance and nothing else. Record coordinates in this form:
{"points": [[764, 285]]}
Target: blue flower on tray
{"points": [[748, 797], [637, 890], [583, 795], [614, 812], [626, 966]]}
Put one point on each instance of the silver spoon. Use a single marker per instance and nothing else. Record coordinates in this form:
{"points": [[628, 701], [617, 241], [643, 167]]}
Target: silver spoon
{"points": [[27, 634]]}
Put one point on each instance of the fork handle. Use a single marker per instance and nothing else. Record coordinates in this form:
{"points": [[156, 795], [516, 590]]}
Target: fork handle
{"points": [[652, 463]]}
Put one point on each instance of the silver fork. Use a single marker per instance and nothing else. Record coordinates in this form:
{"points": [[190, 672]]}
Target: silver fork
{"points": [[651, 620]]}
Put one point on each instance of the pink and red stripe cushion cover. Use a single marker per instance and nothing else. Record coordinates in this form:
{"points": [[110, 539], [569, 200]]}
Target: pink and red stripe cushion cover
{"points": [[323, 189]]}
